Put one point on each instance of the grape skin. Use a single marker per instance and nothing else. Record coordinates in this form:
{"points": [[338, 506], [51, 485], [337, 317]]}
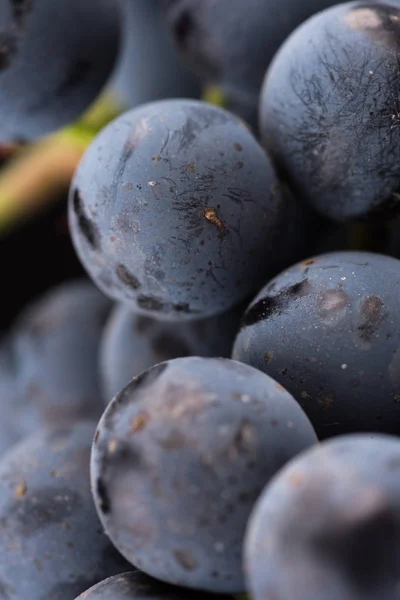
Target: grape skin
{"points": [[49, 362], [328, 111], [327, 526], [232, 42], [176, 211], [51, 543], [328, 329], [178, 460], [55, 57], [132, 344]]}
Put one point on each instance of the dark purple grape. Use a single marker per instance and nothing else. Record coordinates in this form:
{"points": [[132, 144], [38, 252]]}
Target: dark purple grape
{"points": [[50, 372], [132, 344], [136, 586], [329, 110], [52, 546], [179, 458], [54, 59], [328, 525], [328, 329], [176, 210]]}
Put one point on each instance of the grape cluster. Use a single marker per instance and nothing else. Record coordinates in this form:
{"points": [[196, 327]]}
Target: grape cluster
{"points": [[215, 408]]}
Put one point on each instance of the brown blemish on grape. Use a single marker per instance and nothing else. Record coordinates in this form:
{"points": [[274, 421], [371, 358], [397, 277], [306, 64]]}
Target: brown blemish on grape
{"points": [[268, 356], [333, 306], [296, 479], [21, 489], [210, 214], [186, 560], [139, 422], [371, 316], [326, 402]]}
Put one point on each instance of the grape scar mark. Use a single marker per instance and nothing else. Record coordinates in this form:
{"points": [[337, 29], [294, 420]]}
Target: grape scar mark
{"points": [[211, 215]]}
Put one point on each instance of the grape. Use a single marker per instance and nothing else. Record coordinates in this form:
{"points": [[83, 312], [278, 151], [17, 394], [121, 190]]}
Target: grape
{"points": [[329, 114], [149, 68], [175, 210], [328, 329], [232, 42], [132, 344], [7, 393], [136, 586], [51, 362], [51, 543], [179, 458], [54, 59], [327, 526]]}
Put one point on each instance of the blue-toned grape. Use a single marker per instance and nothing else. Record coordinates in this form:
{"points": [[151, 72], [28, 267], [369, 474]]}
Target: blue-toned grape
{"points": [[328, 525], [55, 58], [328, 329], [329, 114], [132, 344], [49, 362], [52, 546], [178, 460], [175, 210]]}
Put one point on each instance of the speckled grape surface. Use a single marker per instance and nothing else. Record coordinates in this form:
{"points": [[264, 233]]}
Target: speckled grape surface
{"points": [[52, 546], [175, 210], [329, 110], [328, 329], [178, 460]]}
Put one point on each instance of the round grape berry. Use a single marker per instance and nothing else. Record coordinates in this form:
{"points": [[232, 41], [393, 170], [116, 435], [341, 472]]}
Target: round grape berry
{"points": [[175, 210], [329, 111], [328, 329], [179, 458]]}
